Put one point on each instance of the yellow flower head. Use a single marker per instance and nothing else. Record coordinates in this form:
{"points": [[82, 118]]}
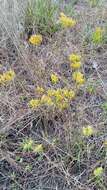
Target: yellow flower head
{"points": [[88, 131], [38, 148], [35, 39], [74, 58], [51, 92], [54, 78], [75, 65], [78, 77], [97, 36], [70, 94], [98, 172], [58, 98], [40, 90], [34, 103], [10, 75], [46, 100], [66, 22], [7, 76], [58, 95]]}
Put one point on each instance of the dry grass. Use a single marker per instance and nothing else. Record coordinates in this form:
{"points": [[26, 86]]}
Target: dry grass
{"points": [[68, 159]]}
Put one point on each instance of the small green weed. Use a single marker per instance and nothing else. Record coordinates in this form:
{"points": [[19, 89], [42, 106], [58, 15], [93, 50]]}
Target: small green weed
{"points": [[104, 107]]}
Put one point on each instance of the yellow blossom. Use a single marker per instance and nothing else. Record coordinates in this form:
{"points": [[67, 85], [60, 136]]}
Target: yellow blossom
{"points": [[58, 91], [7, 76], [38, 148], [98, 172], [58, 95], [75, 65], [97, 35], [66, 21], [78, 77], [51, 92], [34, 103], [35, 39], [61, 97], [54, 78], [74, 58], [88, 131], [40, 90], [58, 98], [70, 94], [46, 100]]}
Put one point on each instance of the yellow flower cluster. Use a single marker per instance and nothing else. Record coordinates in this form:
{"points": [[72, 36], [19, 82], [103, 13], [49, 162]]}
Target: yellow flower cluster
{"points": [[54, 78], [7, 77], [75, 61], [88, 131], [78, 77], [59, 98], [97, 36], [56, 94], [34, 103], [60, 94], [35, 39], [66, 22]]}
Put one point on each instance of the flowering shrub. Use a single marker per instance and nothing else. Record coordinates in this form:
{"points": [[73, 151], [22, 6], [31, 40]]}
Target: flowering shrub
{"points": [[59, 98]]}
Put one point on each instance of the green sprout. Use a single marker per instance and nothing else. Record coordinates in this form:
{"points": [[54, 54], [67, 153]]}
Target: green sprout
{"points": [[27, 145]]}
